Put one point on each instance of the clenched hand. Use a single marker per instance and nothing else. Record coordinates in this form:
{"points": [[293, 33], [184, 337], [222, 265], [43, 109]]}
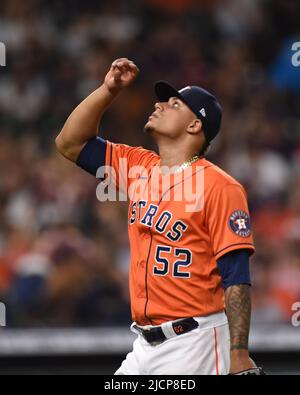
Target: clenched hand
{"points": [[121, 74]]}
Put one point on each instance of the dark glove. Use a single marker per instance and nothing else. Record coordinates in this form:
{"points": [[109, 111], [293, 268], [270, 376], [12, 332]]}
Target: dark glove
{"points": [[250, 372]]}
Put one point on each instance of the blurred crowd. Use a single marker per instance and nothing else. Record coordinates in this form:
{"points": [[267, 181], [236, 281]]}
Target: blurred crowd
{"points": [[63, 255]]}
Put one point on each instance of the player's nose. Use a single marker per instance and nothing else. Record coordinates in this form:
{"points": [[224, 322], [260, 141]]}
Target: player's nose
{"points": [[159, 106]]}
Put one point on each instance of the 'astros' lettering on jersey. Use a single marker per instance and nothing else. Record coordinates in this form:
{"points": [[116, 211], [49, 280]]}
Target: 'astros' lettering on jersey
{"points": [[174, 252]]}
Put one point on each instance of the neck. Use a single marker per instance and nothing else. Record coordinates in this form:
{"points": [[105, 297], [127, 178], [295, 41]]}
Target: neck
{"points": [[174, 154]]}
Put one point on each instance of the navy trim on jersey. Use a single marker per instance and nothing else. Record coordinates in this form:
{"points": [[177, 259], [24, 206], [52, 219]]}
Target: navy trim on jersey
{"points": [[234, 268], [92, 155]]}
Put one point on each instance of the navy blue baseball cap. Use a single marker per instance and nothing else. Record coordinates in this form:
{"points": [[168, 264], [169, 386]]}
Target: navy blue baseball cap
{"points": [[203, 104]]}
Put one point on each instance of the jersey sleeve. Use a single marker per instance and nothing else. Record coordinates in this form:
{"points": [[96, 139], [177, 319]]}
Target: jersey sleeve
{"points": [[234, 268], [115, 163], [92, 155], [123, 162], [228, 220]]}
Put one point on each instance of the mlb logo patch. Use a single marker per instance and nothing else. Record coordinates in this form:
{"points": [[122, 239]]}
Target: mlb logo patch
{"points": [[203, 112], [239, 223]]}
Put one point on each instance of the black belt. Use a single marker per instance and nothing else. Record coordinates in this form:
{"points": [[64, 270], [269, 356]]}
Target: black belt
{"points": [[156, 335]]}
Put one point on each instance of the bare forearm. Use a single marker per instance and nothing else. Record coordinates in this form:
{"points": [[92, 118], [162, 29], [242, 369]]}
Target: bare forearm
{"points": [[83, 123], [238, 309]]}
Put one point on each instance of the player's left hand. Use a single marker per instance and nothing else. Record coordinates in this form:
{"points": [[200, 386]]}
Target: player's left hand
{"points": [[240, 361]]}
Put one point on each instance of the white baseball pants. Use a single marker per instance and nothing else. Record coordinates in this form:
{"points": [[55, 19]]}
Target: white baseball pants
{"points": [[202, 351]]}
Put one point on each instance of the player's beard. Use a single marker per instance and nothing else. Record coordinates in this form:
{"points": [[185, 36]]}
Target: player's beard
{"points": [[149, 129]]}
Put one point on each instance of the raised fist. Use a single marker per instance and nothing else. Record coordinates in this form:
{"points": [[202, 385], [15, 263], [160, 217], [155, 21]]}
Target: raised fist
{"points": [[121, 74]]}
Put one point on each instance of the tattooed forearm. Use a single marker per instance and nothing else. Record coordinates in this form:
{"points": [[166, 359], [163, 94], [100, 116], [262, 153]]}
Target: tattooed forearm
{"points": [[238, 309]]}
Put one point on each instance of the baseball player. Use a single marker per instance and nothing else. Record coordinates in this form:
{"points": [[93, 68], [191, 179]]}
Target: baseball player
{"points": [[188, 266]]}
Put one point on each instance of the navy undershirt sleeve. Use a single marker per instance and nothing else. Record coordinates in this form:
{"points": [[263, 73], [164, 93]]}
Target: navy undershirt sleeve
{"points": [[92, 156], [234, 268]]}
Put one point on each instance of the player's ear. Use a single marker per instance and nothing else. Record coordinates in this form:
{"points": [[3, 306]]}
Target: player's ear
{"points": [[195, 126]]}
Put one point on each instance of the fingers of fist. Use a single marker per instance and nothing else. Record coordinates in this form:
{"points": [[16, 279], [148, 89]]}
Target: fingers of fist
{"points": [[121, 74], [122, 66]]}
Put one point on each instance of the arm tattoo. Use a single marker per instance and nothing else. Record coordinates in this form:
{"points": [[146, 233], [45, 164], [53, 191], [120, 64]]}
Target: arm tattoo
{"points": [[238, 309]]}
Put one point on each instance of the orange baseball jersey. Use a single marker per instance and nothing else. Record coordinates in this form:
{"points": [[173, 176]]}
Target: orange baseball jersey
{"points": [[174, 251]]}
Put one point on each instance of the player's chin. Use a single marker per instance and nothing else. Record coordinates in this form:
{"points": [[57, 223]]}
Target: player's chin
{"points": [[149, 128]]}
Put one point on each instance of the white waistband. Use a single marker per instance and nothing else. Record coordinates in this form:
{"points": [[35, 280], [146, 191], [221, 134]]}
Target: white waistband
{"points": [[212, 320], [206, 322]]}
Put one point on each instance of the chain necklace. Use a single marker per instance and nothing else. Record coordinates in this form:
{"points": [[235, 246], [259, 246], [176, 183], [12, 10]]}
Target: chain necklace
{"points": [[187, 163]]}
